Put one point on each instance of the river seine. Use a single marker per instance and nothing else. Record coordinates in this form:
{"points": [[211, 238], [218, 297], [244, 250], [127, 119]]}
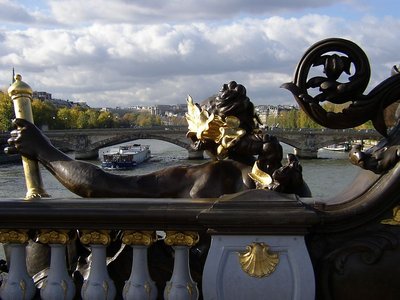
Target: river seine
{"points": [[325, 176]]}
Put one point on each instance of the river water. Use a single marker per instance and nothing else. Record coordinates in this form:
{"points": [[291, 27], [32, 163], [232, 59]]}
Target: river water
{"points": [[326, 176]]}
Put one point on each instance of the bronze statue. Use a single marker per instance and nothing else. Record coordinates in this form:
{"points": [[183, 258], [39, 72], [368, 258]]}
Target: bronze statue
{"points": [[245, 139], [379, 158], [231, 113]]}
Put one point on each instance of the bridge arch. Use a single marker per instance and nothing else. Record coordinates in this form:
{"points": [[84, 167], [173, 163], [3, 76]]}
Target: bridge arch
{"points": [[315, 143], [89, 148], [114, 140], [287, 142]]}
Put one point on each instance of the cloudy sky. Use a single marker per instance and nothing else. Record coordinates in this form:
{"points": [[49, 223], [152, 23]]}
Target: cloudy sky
{"points": [[123, 53]]}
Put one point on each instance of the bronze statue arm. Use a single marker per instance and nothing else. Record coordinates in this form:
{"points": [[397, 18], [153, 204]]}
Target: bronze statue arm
{"points": [[88, 180], [377, 160], [82, 178]]}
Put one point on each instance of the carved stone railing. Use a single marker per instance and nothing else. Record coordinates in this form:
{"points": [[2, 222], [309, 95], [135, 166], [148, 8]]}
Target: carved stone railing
{"points": [[257, 247]]}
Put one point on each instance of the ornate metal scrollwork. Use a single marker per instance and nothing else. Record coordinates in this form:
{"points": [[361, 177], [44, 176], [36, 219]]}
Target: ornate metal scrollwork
{"points": [[338, 57], [258, 261]]}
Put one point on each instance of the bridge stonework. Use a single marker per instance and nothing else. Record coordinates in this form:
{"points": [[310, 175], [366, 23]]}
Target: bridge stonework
{"points": [[306, 142], [86, 142]]}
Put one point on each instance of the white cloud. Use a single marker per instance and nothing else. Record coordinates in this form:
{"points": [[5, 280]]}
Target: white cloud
{"points": [[103, 56], [160, 11]]}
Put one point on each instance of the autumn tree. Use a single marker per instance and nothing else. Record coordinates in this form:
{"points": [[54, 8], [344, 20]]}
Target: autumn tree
{"points": [[44, 113], [304, 121], [6, 112], [105, 119], [92, 118], [64, 116], [145, 119]]}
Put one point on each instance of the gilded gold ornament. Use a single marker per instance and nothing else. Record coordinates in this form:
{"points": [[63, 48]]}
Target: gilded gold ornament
{"points": [[92, 237], [145, 238], [396, 217], [21, 94], [14, 236], [225, 132], [181, 238], [53, 237], [258, 261], [262, 179]]}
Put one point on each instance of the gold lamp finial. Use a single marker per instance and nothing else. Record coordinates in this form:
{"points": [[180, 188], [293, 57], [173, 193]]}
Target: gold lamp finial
{"points": [[21, 94], [19, 88]]}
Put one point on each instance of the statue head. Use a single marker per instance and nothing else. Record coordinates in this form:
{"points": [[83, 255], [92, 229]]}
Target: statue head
{"points": [[289, 178], [232, 100]]}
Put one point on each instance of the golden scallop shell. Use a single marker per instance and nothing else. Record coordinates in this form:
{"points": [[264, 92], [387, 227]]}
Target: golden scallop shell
{"points": [[258, 261]]}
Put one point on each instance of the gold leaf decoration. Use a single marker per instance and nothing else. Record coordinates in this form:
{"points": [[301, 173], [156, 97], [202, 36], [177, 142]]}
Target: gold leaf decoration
{"points": [[145, 238], [53, 237], [100, 237], [262, 179], [14, 236], [258, 261], [225, 132], [178, 238], [396, 218]]}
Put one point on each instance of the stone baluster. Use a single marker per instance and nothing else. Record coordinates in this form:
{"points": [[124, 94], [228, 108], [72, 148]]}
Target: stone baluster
{"points": [[99, 284], [139, 285], [181, 285], [58, 284], [18, 284]]}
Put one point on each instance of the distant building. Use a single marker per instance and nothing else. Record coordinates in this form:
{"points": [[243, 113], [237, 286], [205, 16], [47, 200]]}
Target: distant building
{"points": [[266, 111], [45, 96], [41, 96], [176, 110]]}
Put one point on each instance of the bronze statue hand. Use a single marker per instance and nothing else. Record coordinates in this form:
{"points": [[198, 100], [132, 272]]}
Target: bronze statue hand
{"points": [[378, 160], [27, 140]]}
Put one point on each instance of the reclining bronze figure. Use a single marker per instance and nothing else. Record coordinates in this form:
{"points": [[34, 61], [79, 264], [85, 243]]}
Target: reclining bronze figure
{"points": [[201, 181]]}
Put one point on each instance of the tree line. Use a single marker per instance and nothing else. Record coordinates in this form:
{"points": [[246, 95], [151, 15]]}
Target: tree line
{"points": [[47, 115], [297, 118]]}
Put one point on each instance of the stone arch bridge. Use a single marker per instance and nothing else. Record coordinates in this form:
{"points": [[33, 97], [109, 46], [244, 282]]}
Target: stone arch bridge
{"points": [[86, 142]]}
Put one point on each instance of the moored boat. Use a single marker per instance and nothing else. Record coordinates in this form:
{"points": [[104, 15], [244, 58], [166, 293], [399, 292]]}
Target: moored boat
{"points": [[345, 147], [125, 157]]}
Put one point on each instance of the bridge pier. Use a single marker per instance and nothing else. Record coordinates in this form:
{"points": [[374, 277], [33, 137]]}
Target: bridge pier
{"points": [[306, 153], [195, 154], [87, 155]]}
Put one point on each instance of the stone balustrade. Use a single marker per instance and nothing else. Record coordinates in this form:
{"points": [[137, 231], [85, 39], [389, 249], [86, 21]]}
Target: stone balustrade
{"points": [[244, 257]]}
